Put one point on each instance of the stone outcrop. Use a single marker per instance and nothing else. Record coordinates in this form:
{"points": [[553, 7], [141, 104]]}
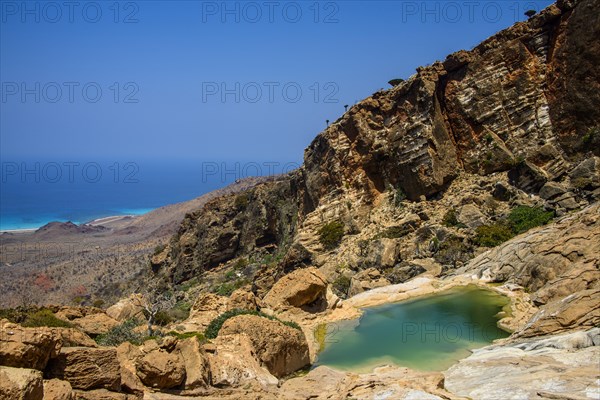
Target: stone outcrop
{"points": [[195, 362], [125, 309], [21, 384], [559, 264], [55, 389], [96, 324], [564, 366], [281, 349], [87, 368], [27, 347], [366, 280], [300, 288], [160, 369]]}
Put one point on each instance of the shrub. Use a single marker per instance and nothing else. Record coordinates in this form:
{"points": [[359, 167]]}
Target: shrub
{"points": [[523, 218], [159, 249], [451, 219], [213, 328], [120, 334], [44, 317], [342, 284], [331, 234], [592, 136], [98, 303], [492, 235], [226, 288], [241, 201], [399, 196], [451, 251]]}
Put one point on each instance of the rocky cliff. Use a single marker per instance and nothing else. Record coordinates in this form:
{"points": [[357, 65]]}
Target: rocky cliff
{"points": [[514, 121]]}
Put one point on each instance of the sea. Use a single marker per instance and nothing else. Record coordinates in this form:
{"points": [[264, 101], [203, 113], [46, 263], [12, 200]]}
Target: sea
{"points": [[34, 193]]}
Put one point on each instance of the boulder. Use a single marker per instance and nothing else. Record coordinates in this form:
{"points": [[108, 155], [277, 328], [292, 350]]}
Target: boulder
{"points": [[471, 216], [74, 338], [96, 324], [87, 368], [21, 384], [233, 364], [102, 394], [160, 370], [126, 309], [366, 280], [242, 299], [128, 355], [297, 289], [55, 389], [195, 361], [27, 347], [280, 348], [207, 307], [551, 190]]}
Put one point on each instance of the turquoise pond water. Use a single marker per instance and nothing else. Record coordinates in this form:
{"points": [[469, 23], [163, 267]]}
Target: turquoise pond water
{"points": [[429, 333]]}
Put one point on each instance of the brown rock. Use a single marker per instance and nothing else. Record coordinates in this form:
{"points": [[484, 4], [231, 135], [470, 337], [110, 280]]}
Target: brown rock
{"points": [[96, 324], [366, 280], [55, 389], [125, 309], [242, 299], [74, 338], [297, 289], [195, 361], [102, 394], [27, 347], [235, 365], [281, 349], [21, 384], [128, 355], [161, 370], [87, 368]]}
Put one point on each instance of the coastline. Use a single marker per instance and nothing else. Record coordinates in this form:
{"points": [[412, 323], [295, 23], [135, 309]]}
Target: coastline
{"points": [[94, 222]]}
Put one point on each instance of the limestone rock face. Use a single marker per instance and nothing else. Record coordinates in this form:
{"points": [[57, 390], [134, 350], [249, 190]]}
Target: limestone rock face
{"points": [[366, 280], [161, 370], [386, 382], [87, 368], [195, 362], [96, 324], [281, 349], [125, 309], [21, 384], [55, 389], [27, 347], [297, 289], [564, 366], [559, 263], [234, 364]]}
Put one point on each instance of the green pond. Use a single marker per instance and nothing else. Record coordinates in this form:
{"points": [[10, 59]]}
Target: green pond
{"points": [[429, 333]]}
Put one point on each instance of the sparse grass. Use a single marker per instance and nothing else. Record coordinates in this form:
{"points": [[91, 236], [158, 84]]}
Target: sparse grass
{"points": [[212, 331], [187, 335], [44, 317], [394, 232], [331, 234], [451, 219]]}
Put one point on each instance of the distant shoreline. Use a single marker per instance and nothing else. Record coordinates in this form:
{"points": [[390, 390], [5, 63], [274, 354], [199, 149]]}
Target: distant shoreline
{"points": [[94, 222]]}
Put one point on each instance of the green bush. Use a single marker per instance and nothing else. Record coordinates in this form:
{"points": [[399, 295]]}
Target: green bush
{"points": [[395, 232], [242, 201], [492, 235], [122, 333], [523, 218], [342, 284], [212, 331], [331, 234], [44, 317], [451, 219], [159, 249]]}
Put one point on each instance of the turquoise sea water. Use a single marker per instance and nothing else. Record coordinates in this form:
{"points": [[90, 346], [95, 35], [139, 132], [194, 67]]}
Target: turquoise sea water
{"points": [[429, 333], [32, 196]]}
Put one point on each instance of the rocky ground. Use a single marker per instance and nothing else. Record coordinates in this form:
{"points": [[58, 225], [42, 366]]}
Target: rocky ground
{"points": [[482, 169]]}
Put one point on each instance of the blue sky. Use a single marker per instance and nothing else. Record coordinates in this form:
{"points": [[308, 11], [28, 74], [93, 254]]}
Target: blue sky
{"points": [[161, 67]]}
